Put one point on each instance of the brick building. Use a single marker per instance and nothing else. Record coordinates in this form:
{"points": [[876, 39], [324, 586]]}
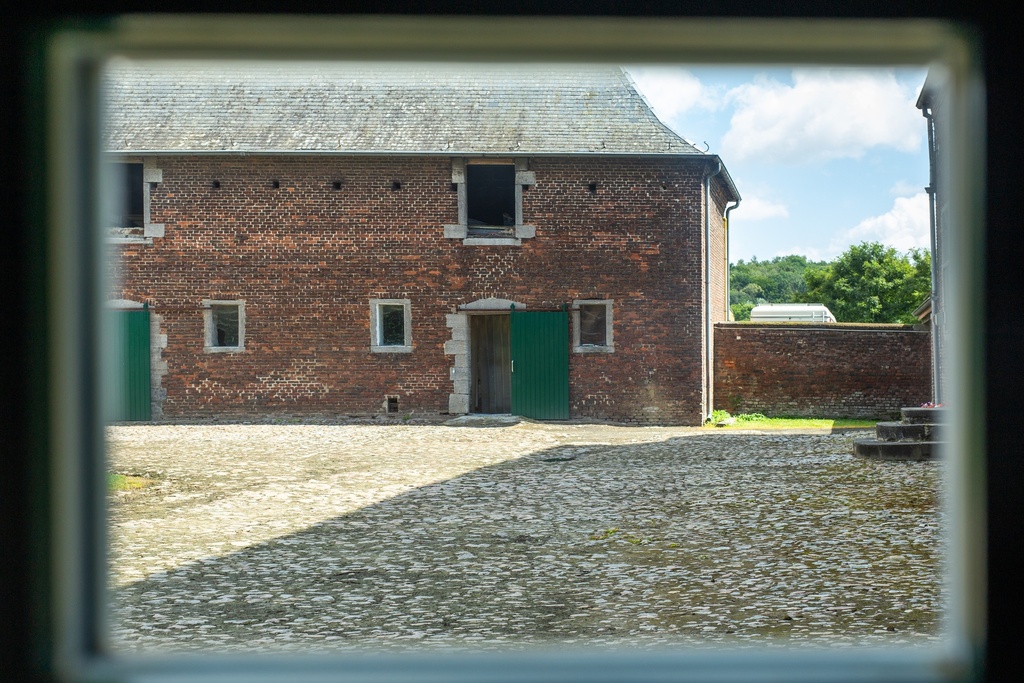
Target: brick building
{"points": [[317, 240]]}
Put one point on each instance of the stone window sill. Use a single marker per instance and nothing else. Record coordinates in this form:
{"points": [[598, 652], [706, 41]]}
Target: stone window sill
{"points": [[390, 349]]}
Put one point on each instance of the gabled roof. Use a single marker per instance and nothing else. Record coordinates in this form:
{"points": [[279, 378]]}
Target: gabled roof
{"points": [[209, 107]]}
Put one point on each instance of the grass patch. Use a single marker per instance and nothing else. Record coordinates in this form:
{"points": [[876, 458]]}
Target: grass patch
{"points": [[127, 482], [759, 421]]}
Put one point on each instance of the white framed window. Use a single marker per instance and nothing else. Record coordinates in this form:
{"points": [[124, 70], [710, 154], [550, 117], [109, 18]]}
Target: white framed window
{"points": [[390, 326], [76, 544], [224, 326], [592, 326]]}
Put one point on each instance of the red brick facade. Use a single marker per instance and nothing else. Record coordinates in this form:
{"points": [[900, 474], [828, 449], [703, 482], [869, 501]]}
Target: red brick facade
{"points": [[307, 257], [837, 370]]}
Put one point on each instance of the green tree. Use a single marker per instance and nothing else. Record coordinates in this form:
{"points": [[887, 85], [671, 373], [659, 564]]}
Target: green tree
{"points": [[742, 311], [780, 280], [872, 283]]}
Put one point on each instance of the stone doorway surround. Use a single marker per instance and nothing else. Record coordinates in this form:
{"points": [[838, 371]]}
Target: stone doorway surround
{"points": [[458, 346]]}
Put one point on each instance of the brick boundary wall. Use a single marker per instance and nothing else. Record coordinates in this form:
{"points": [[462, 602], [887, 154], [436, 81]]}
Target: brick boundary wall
{"points": [[849, 370]]}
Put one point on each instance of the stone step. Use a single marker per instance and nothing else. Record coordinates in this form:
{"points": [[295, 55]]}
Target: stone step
{"points": [[895, 450], [924, 415], [907, 431]]}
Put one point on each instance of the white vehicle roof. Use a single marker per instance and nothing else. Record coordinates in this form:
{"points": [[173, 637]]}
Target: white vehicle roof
{"points": [[795, 312]]}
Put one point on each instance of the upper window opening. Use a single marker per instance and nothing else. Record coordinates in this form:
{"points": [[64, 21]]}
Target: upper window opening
{"points": [[129, 211], [490, 196]]}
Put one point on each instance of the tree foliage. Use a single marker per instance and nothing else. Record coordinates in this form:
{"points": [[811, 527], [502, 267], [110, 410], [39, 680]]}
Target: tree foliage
{"points": [[871, 283], [780, 280]]}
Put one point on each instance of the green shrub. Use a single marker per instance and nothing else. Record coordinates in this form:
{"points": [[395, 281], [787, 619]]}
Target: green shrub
{"points": [[717, 416]]}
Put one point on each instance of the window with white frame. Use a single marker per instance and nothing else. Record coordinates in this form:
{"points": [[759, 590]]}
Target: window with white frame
{"points": [[224, 324], [592, 326], [390, 326]]}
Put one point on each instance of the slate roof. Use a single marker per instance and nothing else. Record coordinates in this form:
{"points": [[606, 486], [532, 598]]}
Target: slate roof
{"points": [[251, 107]]}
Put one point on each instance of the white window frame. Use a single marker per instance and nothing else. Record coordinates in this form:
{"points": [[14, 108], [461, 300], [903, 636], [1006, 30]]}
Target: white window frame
{"points": [[376, 331], [72, 587], [210, 328], [609, 345]]}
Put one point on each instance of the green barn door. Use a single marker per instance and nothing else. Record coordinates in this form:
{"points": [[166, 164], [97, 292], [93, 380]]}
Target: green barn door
{"points": [[540, 364], [133, 394]]}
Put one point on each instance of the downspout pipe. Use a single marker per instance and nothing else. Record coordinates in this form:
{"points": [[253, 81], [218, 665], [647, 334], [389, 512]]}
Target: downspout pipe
{"points": [[728, 265], [708, 330], [932, 219]]}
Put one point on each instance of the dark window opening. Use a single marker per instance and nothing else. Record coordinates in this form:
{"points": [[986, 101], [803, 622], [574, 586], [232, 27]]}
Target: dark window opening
{"points": [[490, 198], [593, 325], [128, 212], [396, 184], [337, 184], [392, 325], [215, 184], [225, 325], [276, 184], [593, 188], [392, 404]]}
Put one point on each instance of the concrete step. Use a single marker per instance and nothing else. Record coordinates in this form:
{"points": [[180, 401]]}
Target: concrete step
{"points": [[895, 450], [906, 431], [924, 415]]}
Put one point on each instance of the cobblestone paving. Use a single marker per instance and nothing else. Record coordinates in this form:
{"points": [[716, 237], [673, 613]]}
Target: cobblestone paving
{"points": [[488, 534]]}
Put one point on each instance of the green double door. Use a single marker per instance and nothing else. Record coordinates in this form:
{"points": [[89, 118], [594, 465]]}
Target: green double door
{"points": [[521, 364]]}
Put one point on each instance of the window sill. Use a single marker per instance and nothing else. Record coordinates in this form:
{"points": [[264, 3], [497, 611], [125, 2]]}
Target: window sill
{"points": [[223, 349], [390, 349], [518, 234], [589, 348], [129, 240], [492, 241]]}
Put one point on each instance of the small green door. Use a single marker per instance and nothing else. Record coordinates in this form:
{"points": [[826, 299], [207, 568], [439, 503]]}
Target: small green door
{"points": [[133, 390], [540, 364]]}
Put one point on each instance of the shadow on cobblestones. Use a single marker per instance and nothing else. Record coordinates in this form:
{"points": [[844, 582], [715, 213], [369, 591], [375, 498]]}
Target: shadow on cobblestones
{"points": [[693, 539]]}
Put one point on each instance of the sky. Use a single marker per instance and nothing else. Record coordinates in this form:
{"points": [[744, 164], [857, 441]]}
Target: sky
{"points": [[823, 158]]}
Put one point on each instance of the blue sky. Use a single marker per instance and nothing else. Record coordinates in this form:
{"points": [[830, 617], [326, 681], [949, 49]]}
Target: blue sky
{"points": [[823, 158]]}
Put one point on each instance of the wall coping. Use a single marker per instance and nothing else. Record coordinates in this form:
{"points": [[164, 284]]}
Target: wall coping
{"points": [[803, 326]]}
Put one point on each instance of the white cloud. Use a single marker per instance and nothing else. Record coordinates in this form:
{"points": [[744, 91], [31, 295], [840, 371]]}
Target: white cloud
{"points": [[902, 188], [755, 209], [825, 114], [904, 226], [672, 91]]}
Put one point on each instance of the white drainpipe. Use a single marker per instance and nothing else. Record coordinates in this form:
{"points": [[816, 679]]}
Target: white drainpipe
{"points": [[728, 268]]}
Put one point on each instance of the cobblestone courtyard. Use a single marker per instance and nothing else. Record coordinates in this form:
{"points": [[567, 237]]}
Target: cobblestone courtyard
{"points": [[487, 534]]}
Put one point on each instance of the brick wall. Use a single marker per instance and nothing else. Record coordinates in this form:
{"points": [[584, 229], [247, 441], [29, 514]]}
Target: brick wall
{"points": [[306, 258], [839, 370]]}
